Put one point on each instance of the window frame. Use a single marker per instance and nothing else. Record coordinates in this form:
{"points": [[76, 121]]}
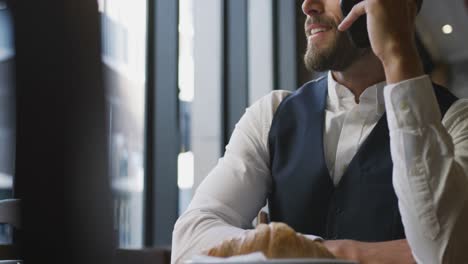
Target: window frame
{"points": [[162, 119]]}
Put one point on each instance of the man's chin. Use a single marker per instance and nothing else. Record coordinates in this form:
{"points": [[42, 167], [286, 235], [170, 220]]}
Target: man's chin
{"points": [[331, 58], [318, 60], [320, 43]]}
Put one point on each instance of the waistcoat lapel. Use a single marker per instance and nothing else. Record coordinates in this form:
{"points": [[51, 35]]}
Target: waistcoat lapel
{"points": [[296, 144]]}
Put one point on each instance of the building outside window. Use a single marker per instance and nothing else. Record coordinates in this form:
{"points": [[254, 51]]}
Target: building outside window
{"points": [[186, 96], [7, 112], [124, 26]]}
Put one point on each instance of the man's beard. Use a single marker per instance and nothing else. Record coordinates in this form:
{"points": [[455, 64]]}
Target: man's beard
{"points": [[338, 56]]}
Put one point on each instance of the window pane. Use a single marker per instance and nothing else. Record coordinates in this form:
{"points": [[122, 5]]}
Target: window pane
{"points": [[186, 97], [123, 53], [7, 113]]}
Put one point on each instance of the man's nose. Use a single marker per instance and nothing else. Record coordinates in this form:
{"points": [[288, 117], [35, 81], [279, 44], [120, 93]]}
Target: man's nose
{"points": [[312, 7]]}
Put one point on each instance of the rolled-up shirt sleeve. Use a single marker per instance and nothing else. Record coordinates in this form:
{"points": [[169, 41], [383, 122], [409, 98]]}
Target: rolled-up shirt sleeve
{"points": [[233, 193], [430, 159]]}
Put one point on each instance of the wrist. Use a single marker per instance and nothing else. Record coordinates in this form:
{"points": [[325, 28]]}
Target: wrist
{"points": [[402, 64], [343, 249]]}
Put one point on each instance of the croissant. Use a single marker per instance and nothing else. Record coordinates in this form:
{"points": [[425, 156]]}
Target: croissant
{"points": [[276, 240]]}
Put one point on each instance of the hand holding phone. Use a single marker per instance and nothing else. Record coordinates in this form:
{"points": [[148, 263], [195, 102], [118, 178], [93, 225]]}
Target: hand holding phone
{"points": [[358, 31], [389, 28]]}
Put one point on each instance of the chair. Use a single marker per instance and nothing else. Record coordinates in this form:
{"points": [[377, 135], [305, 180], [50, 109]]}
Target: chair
{"points": [[10, 214]]}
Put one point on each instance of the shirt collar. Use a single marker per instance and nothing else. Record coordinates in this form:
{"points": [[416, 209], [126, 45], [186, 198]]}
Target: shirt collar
{"points": [[341, 98]]}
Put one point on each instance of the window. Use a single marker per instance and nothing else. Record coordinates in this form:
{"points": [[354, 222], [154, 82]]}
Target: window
{"points": [[7, 113], [124, 28], [186, 97]]}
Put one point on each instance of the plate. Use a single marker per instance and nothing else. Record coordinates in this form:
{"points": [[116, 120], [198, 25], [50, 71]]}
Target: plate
{"points": [[274, 261], [308, 260]]}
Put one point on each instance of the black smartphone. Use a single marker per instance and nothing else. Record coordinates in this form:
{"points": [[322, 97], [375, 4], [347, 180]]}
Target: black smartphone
{"points": [[358, 31]]}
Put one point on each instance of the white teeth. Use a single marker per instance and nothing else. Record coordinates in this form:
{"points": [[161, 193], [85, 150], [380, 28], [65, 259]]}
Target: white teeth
{"points": [[317, 30]]}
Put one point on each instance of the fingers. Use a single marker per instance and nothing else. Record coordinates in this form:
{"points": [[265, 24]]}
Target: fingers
{"points": [[360, 9], [262, 218], [357, 11]]}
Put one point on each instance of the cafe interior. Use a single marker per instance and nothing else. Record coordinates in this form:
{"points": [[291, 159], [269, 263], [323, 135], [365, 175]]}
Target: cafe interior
{"points": [[112, 112]]}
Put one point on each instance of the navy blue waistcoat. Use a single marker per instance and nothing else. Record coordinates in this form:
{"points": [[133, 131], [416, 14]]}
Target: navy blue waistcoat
{"points": [[363, 206]]}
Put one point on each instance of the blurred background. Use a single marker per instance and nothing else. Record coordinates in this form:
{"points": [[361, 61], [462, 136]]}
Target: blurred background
{"points": [[176, 77]]}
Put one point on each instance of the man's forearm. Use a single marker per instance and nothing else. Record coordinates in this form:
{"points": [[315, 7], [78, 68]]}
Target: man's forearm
{"points": [[196, 232], [429, 168], [396, 251], [403, 65]]}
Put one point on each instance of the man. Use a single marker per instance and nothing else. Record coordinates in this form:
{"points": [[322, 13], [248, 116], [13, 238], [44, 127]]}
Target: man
{"points": [[372, 158]]}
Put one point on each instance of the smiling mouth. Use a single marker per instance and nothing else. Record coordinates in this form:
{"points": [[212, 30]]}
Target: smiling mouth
{"points": [[316, 31]]}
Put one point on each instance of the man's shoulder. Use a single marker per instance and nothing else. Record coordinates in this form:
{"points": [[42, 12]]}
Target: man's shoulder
{"points": [[270, 102], [312, 89], [457, 114], [266, 107]]}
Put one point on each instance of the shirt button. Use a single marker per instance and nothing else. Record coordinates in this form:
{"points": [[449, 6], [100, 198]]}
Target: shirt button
{"points": [[417, 170], [404, 106]]}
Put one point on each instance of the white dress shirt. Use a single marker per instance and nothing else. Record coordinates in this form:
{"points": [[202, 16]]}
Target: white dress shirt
{"points": [[347, 123], [430, 159]]}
